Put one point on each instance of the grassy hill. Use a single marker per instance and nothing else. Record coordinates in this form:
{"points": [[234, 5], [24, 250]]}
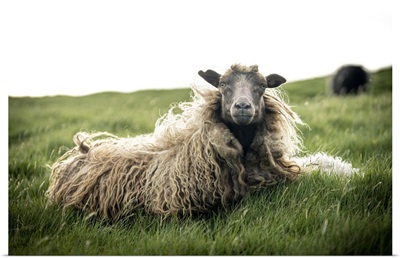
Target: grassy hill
{"points": [[318, 214]]}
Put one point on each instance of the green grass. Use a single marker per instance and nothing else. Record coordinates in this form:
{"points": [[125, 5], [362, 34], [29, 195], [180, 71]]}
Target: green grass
{"points": [[316, 215]]}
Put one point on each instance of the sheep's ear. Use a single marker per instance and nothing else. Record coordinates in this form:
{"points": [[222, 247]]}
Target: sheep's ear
{"points": [[274, 80], [211, 77]]}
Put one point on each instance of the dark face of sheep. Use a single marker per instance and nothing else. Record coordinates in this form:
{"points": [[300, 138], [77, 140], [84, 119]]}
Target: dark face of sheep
{"points": [[242, 105], [241, 90]]}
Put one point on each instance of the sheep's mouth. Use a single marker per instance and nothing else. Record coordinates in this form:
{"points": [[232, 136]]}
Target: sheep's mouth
{"points": [[243, 119]]}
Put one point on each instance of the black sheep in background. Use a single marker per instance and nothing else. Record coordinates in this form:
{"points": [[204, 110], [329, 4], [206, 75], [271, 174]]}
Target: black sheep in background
{"points": [[350, 79]]}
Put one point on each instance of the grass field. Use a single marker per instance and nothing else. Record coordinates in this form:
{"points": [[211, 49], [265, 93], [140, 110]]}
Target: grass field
{"points": [[316, 215]]}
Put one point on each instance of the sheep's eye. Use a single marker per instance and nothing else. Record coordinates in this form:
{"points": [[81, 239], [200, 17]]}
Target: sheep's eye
{"points": [[222, 84], [259, 88]]}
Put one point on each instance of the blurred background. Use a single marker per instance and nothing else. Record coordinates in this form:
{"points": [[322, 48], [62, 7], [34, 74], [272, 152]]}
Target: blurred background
{"points": [[82, 47]]}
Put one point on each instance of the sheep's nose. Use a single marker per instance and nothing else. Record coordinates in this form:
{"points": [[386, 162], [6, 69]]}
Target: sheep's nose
{"points": [[242, 105]]}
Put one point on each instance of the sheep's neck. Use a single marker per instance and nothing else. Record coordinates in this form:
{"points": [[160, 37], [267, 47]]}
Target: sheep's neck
{"points": [[244, 134]]}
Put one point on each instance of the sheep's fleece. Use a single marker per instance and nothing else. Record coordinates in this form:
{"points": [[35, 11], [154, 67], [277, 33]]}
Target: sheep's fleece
{"points": [[191, 163]]}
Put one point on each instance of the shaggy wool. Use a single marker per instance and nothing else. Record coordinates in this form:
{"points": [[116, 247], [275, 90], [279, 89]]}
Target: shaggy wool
{"points": [[191, 163]]}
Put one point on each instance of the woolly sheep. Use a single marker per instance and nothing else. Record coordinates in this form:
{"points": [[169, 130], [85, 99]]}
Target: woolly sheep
{"points": [[228, 140]]}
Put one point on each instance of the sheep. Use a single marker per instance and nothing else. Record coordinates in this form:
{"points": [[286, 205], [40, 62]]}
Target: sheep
{"points": [[231, 138], [349, 79]]}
